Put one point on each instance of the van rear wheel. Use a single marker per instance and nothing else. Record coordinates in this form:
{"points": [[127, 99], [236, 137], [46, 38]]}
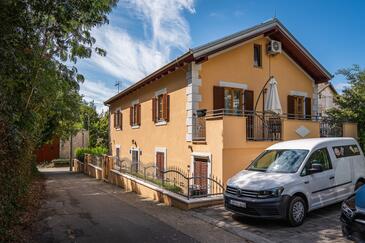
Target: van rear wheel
{"points": [[296, 211]]}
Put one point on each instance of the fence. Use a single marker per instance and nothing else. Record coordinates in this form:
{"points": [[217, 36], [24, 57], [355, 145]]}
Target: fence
{"points": [[330, 128], [173, 179], [263, 127]]}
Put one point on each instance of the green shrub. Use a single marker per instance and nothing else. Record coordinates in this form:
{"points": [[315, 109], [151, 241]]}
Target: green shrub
{"points": [[80, 152]]}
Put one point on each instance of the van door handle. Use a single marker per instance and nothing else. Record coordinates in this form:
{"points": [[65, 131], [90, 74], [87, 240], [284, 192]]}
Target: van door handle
{"points": [[306, 182], [332, 177]]}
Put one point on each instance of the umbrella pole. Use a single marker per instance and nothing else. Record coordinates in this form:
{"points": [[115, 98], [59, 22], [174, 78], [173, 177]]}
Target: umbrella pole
{"points": [[261, 92]]}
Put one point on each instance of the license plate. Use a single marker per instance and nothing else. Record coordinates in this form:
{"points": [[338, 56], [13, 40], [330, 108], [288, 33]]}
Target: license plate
{"points": [[238, 203]]}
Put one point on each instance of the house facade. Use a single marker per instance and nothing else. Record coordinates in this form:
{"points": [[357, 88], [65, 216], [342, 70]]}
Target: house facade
{"points": [[204, 112]]}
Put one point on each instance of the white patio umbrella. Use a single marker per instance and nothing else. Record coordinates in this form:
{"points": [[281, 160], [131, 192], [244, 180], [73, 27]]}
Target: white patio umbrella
{"points": [[272, 103]]}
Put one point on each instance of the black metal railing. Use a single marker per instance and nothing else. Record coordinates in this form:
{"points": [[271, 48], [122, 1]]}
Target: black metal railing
{"points": [[95, 160], [263, 127], [330, 128], [173, 179]]}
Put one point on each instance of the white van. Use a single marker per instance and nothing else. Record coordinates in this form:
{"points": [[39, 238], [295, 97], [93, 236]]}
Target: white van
{"points": [[294, 177]]}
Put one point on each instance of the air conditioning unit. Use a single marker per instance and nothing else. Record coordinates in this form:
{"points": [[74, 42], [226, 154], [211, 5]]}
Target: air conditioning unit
{"points": [[274, 47]]}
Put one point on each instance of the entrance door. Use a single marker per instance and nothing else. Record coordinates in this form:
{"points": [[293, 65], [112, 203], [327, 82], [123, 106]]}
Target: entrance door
{"points": [[160, 164], [135, 160], [200, 176]]}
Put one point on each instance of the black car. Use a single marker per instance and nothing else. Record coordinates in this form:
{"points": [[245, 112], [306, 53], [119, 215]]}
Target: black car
{"points": [[353, 216]]}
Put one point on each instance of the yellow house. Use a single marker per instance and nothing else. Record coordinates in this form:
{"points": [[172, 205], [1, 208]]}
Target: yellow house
{"points": [[203, 112]]}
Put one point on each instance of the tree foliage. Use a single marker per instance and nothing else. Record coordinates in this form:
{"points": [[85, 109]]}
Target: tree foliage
{"points": [[40, 43], [351, 103]]}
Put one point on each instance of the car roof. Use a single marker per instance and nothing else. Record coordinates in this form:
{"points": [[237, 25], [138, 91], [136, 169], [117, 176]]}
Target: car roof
{"points": [[311, 143]]}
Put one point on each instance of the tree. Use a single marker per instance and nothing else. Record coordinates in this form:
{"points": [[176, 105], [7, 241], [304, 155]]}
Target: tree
{"points": [[97, 124], [40, 43], [351, 103]]}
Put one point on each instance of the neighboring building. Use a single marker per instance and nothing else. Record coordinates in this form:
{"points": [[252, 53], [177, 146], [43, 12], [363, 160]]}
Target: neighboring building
{"points": [[80, 140], [326, 95], [61, 149], [196, 113]]}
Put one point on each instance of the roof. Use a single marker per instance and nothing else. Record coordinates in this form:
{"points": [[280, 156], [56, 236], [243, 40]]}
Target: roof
{"points": [[329, 85], [272, 29], [309, 143]]}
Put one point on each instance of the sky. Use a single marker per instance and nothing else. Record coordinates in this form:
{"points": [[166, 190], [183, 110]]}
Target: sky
{"points": [[143, 35]]}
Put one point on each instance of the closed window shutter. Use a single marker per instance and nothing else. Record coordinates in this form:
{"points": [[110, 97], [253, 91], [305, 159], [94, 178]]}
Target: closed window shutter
{"points": [[291, 102], [154, 104], [138, 114], [166, 107], [121, 121], [308, 108], [248, 101], [115, 119], [218, 99], [131, 115]]}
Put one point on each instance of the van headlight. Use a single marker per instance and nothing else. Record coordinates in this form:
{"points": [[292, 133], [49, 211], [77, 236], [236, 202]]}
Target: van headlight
{"points": [[275, 192]]}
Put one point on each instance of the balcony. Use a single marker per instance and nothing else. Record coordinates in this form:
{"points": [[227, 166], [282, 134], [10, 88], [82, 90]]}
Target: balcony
{"points": [[271, 127]]}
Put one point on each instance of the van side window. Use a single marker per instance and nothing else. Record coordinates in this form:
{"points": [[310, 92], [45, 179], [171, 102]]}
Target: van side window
{"points": [[321, 157], [346, 151]]}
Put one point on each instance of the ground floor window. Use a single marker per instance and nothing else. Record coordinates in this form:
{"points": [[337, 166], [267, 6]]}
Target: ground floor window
{"points": [[200, 176], [160, 164]]}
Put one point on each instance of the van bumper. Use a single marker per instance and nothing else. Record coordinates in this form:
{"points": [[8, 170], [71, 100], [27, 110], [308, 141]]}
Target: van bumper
{"points": [[271, 208]]}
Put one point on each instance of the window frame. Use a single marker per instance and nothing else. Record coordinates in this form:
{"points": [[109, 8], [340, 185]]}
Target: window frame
{"points": [[232, 92], [161, 107], [118, 119], [303, 172], [257, 54]]}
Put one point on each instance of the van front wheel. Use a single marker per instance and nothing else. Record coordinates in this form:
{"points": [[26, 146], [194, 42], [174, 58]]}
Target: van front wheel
{"points": [[296, 211]]}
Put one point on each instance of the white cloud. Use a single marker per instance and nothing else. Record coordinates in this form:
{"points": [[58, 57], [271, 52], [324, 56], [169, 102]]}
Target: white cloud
{"points": [[341, 86], [96, 91], [130, 58]]}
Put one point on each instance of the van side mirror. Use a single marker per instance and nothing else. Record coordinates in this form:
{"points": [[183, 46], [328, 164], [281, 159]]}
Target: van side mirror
{"points": [[315, 168]]}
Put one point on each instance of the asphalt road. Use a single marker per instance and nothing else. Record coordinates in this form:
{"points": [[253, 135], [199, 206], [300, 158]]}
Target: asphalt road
{"points": [[81, 209]]}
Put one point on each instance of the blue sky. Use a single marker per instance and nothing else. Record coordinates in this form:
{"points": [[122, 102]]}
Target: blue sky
{"points": [[145, 34]]}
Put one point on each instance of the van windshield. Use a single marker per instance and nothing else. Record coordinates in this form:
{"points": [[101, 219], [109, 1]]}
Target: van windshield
{"points": [[279, 161]]}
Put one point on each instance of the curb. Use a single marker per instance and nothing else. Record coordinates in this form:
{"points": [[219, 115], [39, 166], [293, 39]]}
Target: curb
{"points": [[232, 229]]}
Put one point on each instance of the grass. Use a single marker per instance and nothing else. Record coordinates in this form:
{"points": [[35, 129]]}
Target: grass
{"points": [[166, 185]]}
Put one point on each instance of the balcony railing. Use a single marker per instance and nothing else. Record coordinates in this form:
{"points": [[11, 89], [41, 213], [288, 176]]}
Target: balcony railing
{"points": [[262, 126]]}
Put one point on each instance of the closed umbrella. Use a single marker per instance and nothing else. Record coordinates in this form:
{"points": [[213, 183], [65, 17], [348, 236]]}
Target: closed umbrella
{"points": [[272, 103]]}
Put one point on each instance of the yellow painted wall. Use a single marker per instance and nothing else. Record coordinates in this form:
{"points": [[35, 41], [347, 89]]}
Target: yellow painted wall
{"points": [[350, 130], [236, 65], [290, 127], [148, 135]]}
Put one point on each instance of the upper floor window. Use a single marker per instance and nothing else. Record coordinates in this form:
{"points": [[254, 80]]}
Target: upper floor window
{"points": [[118, 119], [299, 107], [135, 115], [257, 55], [161, 108], [233, 100]]}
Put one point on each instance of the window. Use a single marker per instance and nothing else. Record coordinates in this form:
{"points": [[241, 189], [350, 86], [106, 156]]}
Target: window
{"points": [[233, 100], [135, 115], [161, 108], [135, 160], [279, 161], [257, 56], [320, 157], [346, 151], [118, 119], [299, 107]]}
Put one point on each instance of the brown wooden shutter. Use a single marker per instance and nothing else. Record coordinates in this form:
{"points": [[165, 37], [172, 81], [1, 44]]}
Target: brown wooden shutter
{"points": [[154, 104], [121, 121], [308, 108], [291, 103], [218, 99], [115, 119], [138, 114], [165, 107], [131, 115], [167, 116], [248, 102]]}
